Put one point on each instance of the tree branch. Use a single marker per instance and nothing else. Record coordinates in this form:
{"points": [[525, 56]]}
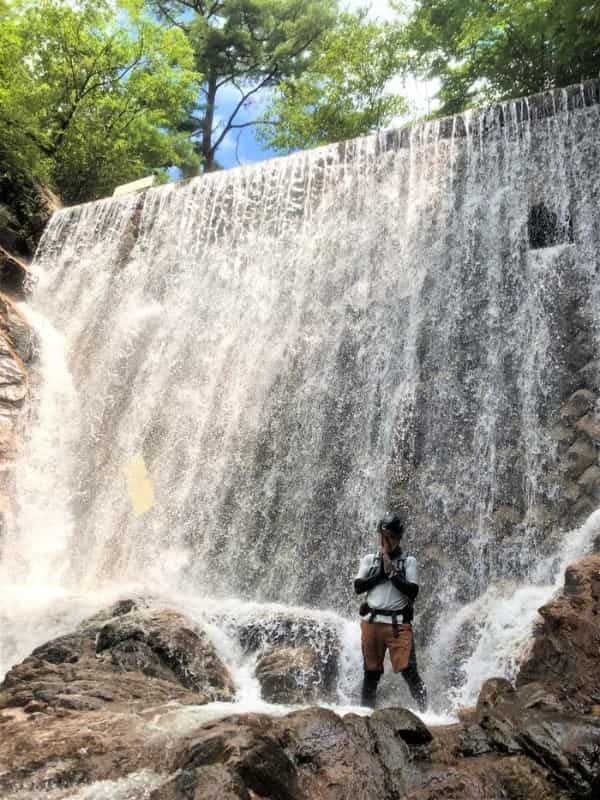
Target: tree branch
{"points": [[253, 122], [170, 18], [243, 100]]}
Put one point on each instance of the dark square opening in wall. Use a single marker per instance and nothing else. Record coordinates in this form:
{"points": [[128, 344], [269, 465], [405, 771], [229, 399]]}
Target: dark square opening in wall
{"points": [[545, 229]]}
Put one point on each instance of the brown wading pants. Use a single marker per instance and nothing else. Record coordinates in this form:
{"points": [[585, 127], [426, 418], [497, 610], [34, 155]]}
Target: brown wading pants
{"points": [[376, 638]]}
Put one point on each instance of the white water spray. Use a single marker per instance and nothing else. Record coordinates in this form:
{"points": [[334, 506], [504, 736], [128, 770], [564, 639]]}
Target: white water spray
{"points": [[502, 619]]}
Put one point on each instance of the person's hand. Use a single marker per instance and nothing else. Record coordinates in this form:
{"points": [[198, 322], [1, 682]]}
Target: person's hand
{"points": [[387, 563]]}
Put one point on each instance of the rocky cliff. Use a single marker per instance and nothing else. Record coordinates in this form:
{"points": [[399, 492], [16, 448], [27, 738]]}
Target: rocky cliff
{"points": [[25, 208], [17, 355]]}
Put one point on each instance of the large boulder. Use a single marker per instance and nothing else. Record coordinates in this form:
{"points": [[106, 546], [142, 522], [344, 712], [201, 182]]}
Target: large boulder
{"points": [[83, 707], [312, 754], [293, 675], [165, 645], [124, 655], [565, 745], [297, 654], [566, 644]]}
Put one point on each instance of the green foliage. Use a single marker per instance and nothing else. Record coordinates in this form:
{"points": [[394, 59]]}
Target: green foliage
{"points": [[90, 98], [342, 92], [486, 51], [19, 114], [247, 45]]}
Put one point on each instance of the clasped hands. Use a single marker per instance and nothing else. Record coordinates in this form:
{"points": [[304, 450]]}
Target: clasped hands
{"points": [[386, 562]]}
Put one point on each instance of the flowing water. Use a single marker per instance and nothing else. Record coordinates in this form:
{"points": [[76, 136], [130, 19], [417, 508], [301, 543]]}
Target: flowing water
{"points": [[291, 347]]}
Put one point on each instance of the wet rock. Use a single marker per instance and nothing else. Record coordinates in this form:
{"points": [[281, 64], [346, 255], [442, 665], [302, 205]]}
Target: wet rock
{"points": [[257, 634], [580, 350], [13, 374], [472, 741], [17, 352], [452, 783], [590, 374], [563, 434], [589, 482], [77, 702], [15, 276], [404, 724], [459, 651], [580, 455], [74, 748], [17, 330], [493, 691], [507, 516], [565, 744], [309, 647], [571, 490], [84, 707], [392, 749], [590, 426], [581, 510], [310, 754], [167, 646], [564, 654], [25, 208], [580, 402], [486, 778], [334, 761], [213, 782], [135, 657], [314, 755], [73, 715], [538, 695], [520, 778], [248, 746], [116, 610], [293, 675]]}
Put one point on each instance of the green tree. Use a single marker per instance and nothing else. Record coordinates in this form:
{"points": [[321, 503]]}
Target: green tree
{"points": [[21, 139], [90, 98], [343, 92], [247, 45], [485, 51]]}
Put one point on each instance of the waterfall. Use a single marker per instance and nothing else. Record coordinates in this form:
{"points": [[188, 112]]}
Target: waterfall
{"points": [[292, 347]]}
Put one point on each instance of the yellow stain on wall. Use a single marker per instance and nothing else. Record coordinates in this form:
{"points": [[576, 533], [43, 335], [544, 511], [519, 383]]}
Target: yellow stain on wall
{"points": [[139, 485]]}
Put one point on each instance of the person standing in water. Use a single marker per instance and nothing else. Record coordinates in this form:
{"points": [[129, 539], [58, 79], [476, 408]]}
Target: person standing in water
{"points": [[390, 580]]}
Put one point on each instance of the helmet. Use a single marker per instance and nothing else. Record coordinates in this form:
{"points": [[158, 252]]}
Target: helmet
{"points": [[394, 523]]}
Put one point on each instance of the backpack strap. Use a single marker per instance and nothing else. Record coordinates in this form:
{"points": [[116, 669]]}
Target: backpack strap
{"points": [[401, 568]]}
